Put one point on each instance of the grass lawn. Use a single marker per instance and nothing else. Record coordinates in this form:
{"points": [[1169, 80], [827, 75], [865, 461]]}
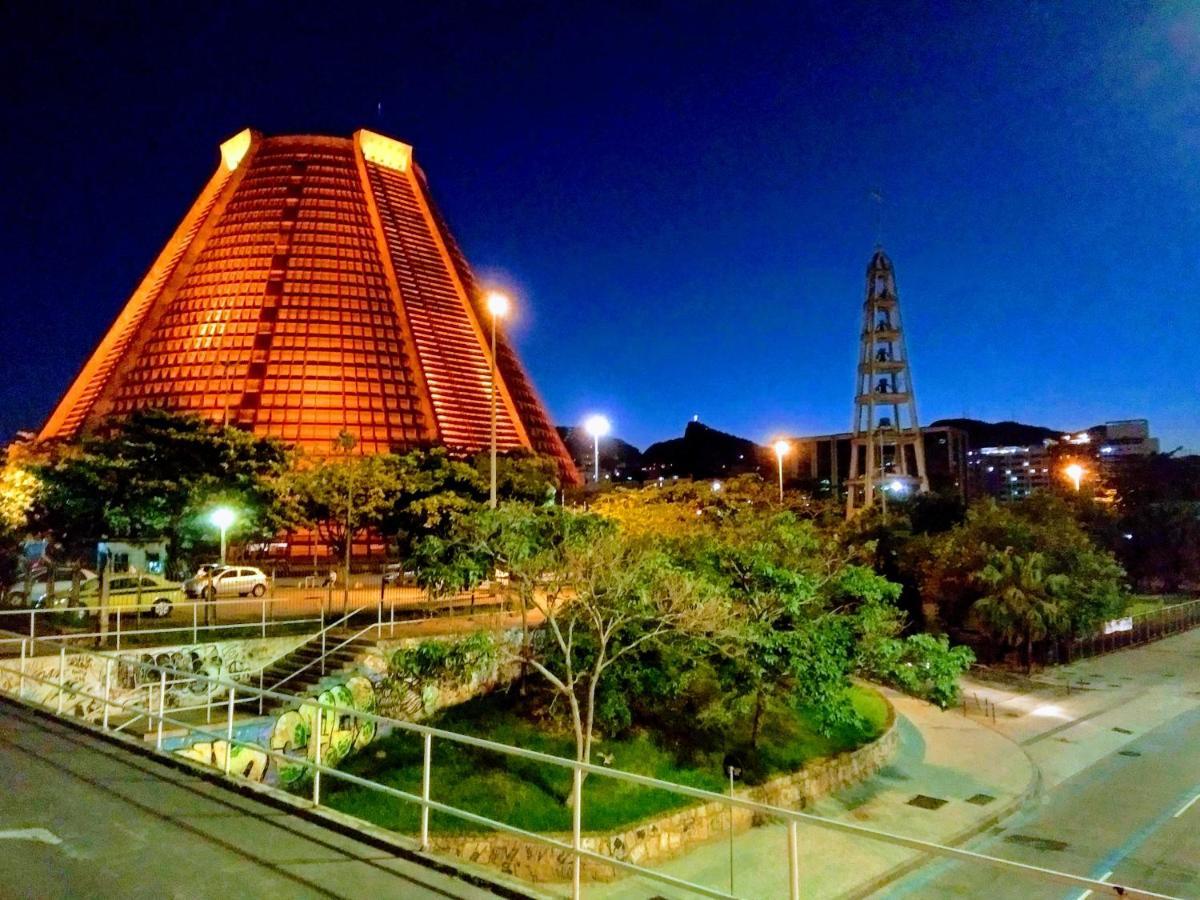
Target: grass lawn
{"points": [[530, 795], [1145, 603]]}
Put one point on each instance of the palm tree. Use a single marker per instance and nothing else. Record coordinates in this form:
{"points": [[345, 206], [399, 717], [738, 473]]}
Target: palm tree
{"points": [[1022, 602]]}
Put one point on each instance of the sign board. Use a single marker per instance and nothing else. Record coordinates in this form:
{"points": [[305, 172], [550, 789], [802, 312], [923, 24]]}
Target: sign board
{"points": [[1116, 625]]}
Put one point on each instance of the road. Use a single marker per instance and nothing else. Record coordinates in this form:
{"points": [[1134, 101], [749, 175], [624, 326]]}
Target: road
{"points": [[1121, 769], [85, 818]]}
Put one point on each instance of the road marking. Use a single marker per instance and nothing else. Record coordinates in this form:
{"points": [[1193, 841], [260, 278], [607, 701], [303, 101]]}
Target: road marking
{"points": [[1186, 807], [1088, 892], [31, 834]]}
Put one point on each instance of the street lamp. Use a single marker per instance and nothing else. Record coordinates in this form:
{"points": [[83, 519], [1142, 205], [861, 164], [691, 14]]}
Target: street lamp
{"points": [[497, 304], [222, 517], [597, 426], [782, 448], [1075, 472]]}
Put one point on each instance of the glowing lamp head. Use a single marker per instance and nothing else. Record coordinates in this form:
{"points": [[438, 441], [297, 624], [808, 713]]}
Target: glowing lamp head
{"points": [[896, 486], [497, 304], [597, 426], [222, 517], [781, 448], [1075, 472]]}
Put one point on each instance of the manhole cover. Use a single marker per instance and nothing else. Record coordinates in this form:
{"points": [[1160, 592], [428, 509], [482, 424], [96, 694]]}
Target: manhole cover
{"points": [[1122, 731], [1036, 843], [1128, 753], [927, 802], [981, 799]]}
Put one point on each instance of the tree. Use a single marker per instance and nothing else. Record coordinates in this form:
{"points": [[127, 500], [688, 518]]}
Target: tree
{"points": [[948, 567], [1021, 603], [157, 474], [341, 496]]}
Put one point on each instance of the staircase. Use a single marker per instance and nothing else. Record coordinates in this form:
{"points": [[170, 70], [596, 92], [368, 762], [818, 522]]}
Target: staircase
{"points": [[300, 671]]}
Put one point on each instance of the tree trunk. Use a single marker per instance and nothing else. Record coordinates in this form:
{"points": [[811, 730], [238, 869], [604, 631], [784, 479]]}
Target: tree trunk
{"points": [[1028, 652], [757, 719]]}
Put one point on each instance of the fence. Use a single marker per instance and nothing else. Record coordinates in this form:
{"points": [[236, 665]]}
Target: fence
{"points": [[59, 689], [287, 608], [1144, 627]]}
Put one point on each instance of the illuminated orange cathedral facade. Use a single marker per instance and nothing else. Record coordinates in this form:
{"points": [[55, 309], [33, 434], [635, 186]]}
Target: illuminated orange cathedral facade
{"points": [[314, 287]]}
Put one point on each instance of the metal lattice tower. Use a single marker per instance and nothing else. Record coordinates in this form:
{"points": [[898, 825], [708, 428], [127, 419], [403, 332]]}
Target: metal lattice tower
{"points": [[886, 449]]}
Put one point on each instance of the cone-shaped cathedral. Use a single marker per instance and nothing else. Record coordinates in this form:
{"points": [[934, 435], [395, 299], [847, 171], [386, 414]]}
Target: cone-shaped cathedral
{"points": [[314, 287]]}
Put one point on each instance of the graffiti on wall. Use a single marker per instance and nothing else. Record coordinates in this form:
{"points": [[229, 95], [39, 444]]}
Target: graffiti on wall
{"points": [[294, 735]]}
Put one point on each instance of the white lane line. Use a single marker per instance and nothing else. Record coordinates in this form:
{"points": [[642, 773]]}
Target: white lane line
{"points": [[1088, 892], [31, 834], [1186, 807]]}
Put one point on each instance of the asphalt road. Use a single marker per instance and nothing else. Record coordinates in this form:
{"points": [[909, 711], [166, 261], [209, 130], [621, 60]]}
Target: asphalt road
{"points": [[84, 818], [1129, 815]]}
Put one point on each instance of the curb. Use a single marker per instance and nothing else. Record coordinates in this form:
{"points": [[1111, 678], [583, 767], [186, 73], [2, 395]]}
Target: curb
{"points": [[1033, 788], [347, 826]]}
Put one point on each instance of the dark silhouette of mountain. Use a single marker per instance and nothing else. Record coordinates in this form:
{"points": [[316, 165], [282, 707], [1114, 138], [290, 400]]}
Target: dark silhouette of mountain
{"points": [[702, 452], [1001, 434], [616, 455]]}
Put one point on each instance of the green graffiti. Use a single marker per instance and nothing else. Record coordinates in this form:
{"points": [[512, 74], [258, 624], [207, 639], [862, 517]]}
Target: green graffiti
{"points": [[342, 732]]}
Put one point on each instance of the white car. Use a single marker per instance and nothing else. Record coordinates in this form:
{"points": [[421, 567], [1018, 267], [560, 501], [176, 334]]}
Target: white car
{"points": [[230, 581], [63, 582]]}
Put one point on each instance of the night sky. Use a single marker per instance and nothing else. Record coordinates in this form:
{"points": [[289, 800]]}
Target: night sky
{"points": [[678, 193]]}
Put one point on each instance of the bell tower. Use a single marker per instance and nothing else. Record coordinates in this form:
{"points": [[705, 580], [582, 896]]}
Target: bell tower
{"points": [[887, 453]]}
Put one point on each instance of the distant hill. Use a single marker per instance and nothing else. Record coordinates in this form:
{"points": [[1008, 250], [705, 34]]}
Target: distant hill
{"points": [[615, 454], [702, 452], [1001, 434]]}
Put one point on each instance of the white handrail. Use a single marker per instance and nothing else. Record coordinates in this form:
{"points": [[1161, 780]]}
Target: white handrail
{"points": [[1097, 887], [324, 653]]}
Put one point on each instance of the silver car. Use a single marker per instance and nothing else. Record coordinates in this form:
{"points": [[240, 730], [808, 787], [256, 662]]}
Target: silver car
{"points": [[63, 583], [229, 581]]}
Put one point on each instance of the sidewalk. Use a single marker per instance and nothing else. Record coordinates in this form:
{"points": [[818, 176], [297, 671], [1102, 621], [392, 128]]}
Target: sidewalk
{"points": [[972, 775], [1067, 718]]}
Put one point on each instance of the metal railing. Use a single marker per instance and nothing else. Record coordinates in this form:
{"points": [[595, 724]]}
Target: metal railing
{"points": [[578, 853], [1148, 626], [55, 623], [325, 653], [284, 608]]}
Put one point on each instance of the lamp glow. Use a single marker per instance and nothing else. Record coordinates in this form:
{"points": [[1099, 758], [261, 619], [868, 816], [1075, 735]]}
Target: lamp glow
{"points": [[1075, 472], [497, 304]]}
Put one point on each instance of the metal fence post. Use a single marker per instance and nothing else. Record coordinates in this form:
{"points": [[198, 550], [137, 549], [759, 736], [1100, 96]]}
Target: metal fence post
{"points": [[263, 599], [322, 651], [107, 687], [426, 767], [62, 675], [195, 639], [162, 704], [118, 628], [21, 682], [577, 831], [317, 772], [32, 629], [229, 735], [793, 861], [260, 692]]}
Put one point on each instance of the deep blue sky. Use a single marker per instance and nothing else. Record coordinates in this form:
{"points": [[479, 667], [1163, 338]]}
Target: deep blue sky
{"points": [[678, 191]]}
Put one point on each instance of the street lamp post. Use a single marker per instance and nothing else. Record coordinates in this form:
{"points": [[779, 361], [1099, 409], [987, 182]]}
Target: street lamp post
{"points": [[497, 304], [597, 426], [781, 450], [222, 517], [1075, 472]]}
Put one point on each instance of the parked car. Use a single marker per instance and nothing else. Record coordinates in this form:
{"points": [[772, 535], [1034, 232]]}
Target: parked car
{"points": [[128, 592], [395, 573], [228, 581], [63, 583]]}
